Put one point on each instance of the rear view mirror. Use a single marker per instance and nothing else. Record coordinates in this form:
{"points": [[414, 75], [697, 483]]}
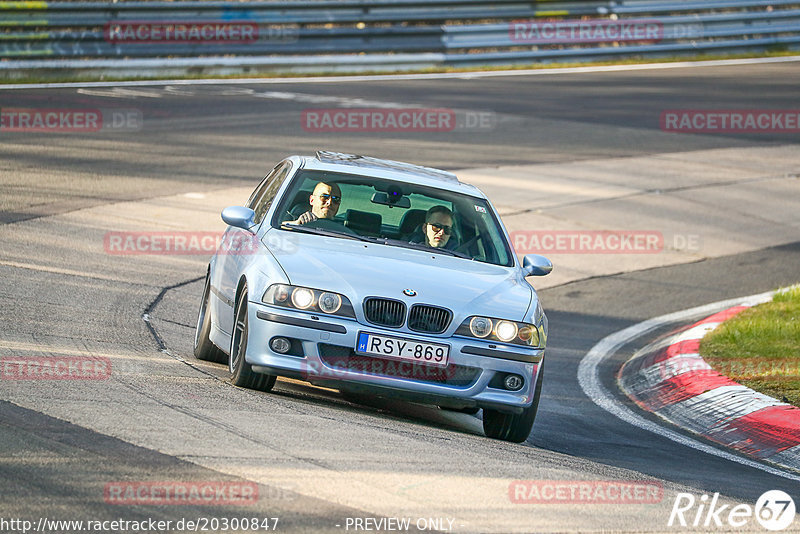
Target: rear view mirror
{"points": [[391, 200], [239, 217], [536, 265]]}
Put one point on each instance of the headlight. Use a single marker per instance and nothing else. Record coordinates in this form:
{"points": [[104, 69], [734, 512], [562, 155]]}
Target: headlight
{"points": [[302, 298], [480, 326], [330, 302], [282, 293], [307, 299], [506, 331], [502, 330], [527, 332]]}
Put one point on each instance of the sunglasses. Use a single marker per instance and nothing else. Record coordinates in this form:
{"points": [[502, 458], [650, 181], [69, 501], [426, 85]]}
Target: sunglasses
{"points": [[439, 227], [326, 197]]}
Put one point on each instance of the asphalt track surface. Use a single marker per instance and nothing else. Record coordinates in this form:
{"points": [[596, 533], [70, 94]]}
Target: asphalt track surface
{"points": [[59, 299]]}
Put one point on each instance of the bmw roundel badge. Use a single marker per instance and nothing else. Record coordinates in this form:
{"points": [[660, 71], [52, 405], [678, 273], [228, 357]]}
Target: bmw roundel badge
{"points": [[409, 293]]}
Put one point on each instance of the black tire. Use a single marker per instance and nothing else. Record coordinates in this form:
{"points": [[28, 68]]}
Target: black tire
{"points": [[510, 426], [204, 349], [242, 373]]}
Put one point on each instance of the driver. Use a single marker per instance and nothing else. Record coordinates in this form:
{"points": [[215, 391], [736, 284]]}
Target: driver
{"points": [[324, 201]]}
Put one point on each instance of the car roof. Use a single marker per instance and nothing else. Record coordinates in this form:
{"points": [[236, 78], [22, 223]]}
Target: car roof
{"points": [[389, 169]]}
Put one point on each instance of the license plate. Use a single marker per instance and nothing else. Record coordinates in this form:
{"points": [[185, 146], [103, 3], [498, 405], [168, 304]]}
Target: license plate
{"points": [[405, 349]]}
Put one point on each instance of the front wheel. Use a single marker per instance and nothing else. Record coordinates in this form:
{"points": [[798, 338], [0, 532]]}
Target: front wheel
{"points": [[204, 349], [512, 426], [242, 373]]}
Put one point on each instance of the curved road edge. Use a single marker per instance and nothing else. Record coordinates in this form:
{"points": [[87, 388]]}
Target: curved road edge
{"points": [[589, 380], [671, 379]]}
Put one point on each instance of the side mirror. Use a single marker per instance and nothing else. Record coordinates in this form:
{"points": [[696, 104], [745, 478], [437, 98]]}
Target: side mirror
{"points": [[239, 216], [536, 265]]}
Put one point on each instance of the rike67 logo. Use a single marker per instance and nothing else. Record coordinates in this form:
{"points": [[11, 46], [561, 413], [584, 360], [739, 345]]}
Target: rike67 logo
{"points": [[774, 510]]}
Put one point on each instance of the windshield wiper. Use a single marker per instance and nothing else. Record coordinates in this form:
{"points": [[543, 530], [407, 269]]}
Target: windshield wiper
{"points": [[321, 231], [426, 248]]}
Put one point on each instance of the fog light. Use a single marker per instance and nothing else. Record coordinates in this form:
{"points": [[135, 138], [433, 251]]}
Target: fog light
{"points": [[513, 382], [281, 345]]}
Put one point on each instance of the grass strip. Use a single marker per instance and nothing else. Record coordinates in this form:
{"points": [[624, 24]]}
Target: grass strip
{"points": [[760, 347], [256, 73]]}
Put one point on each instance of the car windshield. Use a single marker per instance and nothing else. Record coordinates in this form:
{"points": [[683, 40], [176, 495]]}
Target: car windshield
{"points": [[394, 213]]}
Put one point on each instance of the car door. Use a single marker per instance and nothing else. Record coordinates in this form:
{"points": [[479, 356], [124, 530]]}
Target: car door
{"points": [[231, 264]]}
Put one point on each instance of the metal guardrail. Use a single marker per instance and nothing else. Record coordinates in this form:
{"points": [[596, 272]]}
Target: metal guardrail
{"points": [[141, 37]]}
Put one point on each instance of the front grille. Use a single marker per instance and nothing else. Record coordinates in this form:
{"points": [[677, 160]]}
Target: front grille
{"points": [[385, 312], [341, 358], [429, 319]]}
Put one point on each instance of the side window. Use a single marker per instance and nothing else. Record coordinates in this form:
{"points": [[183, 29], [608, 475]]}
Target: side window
{"points": [[262, 199], [251, 202]]}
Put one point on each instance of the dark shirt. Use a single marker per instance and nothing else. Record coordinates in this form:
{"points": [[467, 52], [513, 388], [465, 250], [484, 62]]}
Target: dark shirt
{"points": [[419, 238]]}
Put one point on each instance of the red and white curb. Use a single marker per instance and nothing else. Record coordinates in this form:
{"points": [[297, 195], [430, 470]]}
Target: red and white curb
{"points": [[671, 379], [783, 464]]}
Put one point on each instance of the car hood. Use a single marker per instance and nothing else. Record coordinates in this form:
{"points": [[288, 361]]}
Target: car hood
{"points": [[359, 269]]}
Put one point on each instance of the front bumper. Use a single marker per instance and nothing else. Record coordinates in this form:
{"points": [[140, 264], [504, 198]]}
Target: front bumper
{"points": [[322, 353]]}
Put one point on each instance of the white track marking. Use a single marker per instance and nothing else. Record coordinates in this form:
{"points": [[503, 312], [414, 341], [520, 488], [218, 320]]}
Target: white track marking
{"points": [[118, 92], [58, 270], [338, 101], [789, 457], [652, 376], [403, 77], [721, 405], [692, 334], [589, 379], [37, 349]]}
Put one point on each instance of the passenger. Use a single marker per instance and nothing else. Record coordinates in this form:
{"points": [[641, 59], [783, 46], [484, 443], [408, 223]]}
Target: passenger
{"points": [[437, 230], [324, 201]]}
